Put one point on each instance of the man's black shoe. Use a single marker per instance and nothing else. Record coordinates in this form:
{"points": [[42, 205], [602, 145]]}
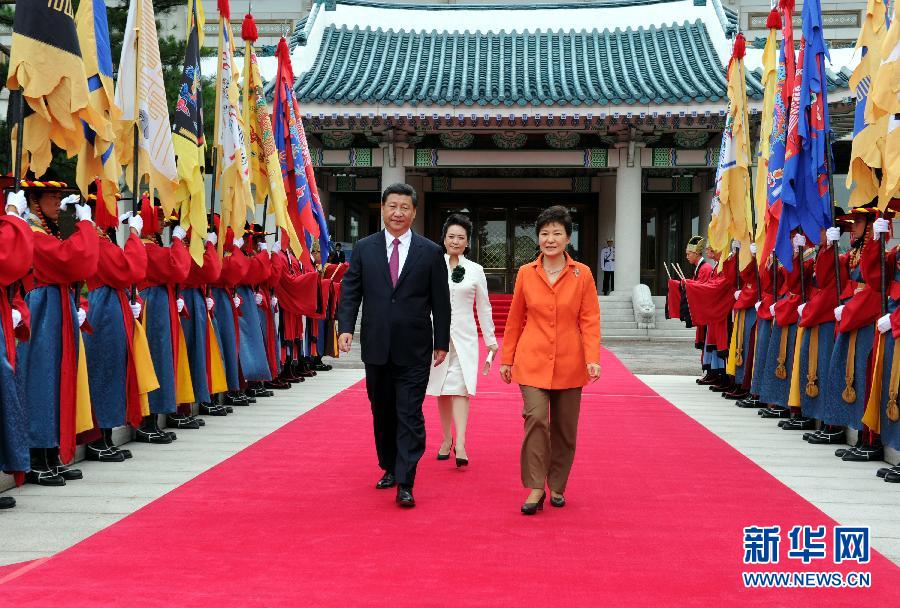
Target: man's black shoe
{"points": [[775, 412], [387, 481], [7, 502], [798, 424], [883, 471], [893, 476], [181, 422], [749, 402], [826, 438], [405, 497]]}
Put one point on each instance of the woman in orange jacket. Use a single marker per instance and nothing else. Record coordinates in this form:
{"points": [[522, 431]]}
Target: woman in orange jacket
{"points": [[551, 348]]}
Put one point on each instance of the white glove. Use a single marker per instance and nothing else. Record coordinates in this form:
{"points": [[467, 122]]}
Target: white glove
{"points": [[17, 200], [209, 303], [212, 238], [259, 299], [237, 301], [800, 309], [16, 318], [274, 301], [879, 227], [72, 199], [239, 242], [178, 233], [737, 294], [81, 317], [833, 234], [179, 304], [884, 324], [263, 246], [83, 213], [136, 222], [799, 241], [735, 244], [838, 312], [276, 247], [756, 306], [772, 309], [136, 309], [753, 248]]}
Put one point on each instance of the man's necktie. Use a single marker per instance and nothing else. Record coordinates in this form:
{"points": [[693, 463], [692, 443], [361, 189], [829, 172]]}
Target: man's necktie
{"points": [[395, 262]]}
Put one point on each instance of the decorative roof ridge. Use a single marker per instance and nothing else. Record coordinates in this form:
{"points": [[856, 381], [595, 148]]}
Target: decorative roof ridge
{"points": [[526, 32], [427, 6]]}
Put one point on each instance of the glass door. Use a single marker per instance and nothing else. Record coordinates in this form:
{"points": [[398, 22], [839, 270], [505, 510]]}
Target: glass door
{"points": [[491, 246]]}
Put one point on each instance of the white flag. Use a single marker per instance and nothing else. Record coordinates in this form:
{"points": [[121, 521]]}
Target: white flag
{"points": [[157, 156]]}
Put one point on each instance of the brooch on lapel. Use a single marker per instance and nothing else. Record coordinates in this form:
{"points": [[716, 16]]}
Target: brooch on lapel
{"points": [[576, 272], [458, 273]]}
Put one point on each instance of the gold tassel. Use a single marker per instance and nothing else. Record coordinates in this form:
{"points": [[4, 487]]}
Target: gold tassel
{"points": [[892, 411], [739, 330], [849, 394], [812, 388], [780, 369]]}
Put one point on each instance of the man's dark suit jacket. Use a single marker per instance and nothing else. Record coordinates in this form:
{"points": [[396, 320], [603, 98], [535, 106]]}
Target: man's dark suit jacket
{"points": [[397, 321]]}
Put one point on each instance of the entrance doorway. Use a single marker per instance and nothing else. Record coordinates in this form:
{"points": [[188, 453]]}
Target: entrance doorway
{"points": [[667, 223], [504, 236]]}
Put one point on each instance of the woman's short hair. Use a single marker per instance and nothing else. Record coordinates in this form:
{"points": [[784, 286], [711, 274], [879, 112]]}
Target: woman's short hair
{"points": [[557, 214], [457, 219]]}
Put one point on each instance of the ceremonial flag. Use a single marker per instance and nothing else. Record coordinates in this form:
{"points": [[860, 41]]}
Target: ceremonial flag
{"points": [[778, 141], [141, 95], [884, 100], [868, 139], [769, 81], [188, 137], [234, 167], [46, 64], [304, 208], [265, 169], [97, 157], [731, 214], [806, 199]]}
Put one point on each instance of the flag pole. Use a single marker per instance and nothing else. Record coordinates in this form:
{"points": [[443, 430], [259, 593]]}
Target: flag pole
{"points": [[136, 148], [17, 167], [837, 256]]}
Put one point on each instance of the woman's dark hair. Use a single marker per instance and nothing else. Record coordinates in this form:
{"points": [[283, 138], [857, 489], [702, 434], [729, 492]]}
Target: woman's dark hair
{"points": [[404, 189], [557, 214], [457, 219]]}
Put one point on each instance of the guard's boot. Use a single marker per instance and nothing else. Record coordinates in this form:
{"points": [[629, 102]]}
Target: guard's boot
{"points": [[212, 409], [249, 397], [864, 453], [318, 365], [100, 451], [775, 412], [41, 472], [724, 385], [827, 436], [710, 378], [7, 502], [798, 423], [107, 437], [893, 476], [149, 432], [235, 398], [737, 393], [277, 384], [749, 402], [61, 469], [177, 421], [882, 472]]}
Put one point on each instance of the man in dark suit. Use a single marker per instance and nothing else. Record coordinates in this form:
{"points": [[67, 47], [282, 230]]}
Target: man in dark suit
{"points": [[401, 280]]}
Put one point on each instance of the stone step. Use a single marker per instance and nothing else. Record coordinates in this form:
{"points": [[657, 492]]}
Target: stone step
{"points": [[673, 333], [606, 324]]}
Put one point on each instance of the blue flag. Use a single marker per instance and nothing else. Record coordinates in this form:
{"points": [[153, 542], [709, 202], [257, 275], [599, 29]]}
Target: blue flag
{"points": [[805, 189]]}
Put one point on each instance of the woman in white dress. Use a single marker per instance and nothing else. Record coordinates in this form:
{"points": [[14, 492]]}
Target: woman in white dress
{"points": [[454, 380]]}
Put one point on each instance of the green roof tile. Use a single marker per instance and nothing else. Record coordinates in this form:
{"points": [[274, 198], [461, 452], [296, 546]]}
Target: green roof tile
{"points": [[674, 64]]}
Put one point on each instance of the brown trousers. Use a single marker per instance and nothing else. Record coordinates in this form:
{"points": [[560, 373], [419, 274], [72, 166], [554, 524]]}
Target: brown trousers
{"points": [[551, 425]]}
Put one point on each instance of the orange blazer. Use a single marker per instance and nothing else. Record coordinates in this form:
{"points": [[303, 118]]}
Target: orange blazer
{"points": [[552, 331]]}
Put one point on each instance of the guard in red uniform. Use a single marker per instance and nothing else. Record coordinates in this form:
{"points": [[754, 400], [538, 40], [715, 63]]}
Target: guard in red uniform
{"points": [[47, 364], [227, 310], [16, 255]]}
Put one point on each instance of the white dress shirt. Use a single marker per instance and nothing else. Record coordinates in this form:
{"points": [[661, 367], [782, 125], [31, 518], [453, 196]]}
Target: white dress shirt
{"points": [[405, 240]]}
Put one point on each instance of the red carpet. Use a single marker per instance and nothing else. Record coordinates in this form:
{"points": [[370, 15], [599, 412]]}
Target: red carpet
{"points": [[655, 516]]}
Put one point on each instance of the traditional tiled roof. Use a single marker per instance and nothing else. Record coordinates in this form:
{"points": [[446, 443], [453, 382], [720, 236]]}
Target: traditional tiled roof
{"points": [[669, 64]]}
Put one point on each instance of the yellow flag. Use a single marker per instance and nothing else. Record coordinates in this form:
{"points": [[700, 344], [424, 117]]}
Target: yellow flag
{"points": [[731, 214], [45, 62], [769, 79], [265, 167], [884, 102]]}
